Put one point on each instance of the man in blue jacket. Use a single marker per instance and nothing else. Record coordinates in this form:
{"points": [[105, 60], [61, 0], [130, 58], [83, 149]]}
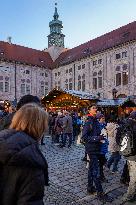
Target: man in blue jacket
{"points": [[91, 136]]}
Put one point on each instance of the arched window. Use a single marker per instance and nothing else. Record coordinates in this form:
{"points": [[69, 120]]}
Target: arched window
{"points": [[95, 74], [100, 72]]}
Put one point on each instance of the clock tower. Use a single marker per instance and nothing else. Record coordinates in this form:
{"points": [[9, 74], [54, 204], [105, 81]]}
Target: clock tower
{"points": [[56, 38]]}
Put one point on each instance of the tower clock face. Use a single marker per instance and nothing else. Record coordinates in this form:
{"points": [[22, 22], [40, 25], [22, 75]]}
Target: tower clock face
{"points": [[59, 41], [56, 40]]}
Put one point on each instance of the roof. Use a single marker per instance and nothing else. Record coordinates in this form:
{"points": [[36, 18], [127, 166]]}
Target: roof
{"points": [[12, 52], [80, 94], [112, 39], [56, 92], [124, 102]]}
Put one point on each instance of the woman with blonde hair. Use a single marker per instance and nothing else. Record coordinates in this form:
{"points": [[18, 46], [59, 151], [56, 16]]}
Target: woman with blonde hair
{"points": [[24, 170]]}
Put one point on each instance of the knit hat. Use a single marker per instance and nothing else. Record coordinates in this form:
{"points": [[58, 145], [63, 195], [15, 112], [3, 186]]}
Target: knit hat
{"points": [[27, 99], [133, 115]]}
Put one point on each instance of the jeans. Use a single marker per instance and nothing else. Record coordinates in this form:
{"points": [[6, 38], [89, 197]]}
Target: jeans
{"points": [[94, 174], [64, 139], [114, 159], [102, 162]]}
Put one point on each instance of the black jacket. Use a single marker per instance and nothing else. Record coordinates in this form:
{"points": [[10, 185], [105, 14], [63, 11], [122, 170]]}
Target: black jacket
{"points": [[23, 169], [6, 121], [91, 135]]}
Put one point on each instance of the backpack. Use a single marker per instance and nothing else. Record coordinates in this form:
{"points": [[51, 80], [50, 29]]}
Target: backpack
{"points": [[127, 141]]}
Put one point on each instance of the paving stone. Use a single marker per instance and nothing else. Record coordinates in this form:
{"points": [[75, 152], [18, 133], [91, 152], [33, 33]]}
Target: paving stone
{"points": [[68, 178]]}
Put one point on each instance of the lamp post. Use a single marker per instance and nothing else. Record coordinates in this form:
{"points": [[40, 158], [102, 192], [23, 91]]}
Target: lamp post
{"points": [[114, 92]]}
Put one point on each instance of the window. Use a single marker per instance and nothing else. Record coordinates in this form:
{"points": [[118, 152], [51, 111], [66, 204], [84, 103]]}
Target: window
{"points": [[118, 56], [100, 61], [66, 86], [118, 68], [23, 80], [118, 79], [41, 74], [55, 74], [125, 67], [95, 74], [95, 62], [79, 67], [46, 90], [95, 83], [27, 88], [1, 77], [70, 84], [1, 86], [99, 82], [23, 89], [124, 54], [125, 78], [27, 72], [46, 74], [6, 86], [58, 73], [79, 82], [83, 82], [70, 70], [83, 66], [67, 71], [100, 72]]}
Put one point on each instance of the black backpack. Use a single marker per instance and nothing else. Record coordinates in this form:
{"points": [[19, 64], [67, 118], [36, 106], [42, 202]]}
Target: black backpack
{"points": [[127, 140]]}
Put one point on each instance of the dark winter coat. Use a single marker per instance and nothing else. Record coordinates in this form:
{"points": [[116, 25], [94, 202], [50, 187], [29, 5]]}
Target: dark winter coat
{"points": [[132, 124], [6, 121], [23, 169], [67, 124], [91, 135]]}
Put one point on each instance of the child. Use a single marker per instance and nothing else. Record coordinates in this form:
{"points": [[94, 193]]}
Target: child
{"points": [[104, 146]]}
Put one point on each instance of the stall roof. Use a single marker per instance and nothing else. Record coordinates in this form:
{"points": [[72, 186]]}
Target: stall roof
{"points": [[125, 102], [79, 94]]}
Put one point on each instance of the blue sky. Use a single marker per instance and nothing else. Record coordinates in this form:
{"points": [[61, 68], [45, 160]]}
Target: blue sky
{"points": [[27, 21]]}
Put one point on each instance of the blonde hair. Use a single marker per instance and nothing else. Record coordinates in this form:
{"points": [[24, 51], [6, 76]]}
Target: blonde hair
{"points": [[30, 119]]}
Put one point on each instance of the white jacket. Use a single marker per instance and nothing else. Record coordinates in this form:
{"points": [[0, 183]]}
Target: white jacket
{"points": [[111, 132]]}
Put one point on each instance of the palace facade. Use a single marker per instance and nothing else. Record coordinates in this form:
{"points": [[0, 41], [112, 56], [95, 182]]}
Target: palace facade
{"points": [[99, 66]]}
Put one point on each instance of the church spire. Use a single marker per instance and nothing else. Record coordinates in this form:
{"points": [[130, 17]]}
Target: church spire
{"points": [[56, 15], [56, 37]]}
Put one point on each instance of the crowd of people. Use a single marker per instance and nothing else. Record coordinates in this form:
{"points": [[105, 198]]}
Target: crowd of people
{"points": [[24, 170]]}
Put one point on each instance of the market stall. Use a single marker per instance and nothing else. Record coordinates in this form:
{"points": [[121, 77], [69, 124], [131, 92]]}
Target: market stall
{"points": [[116, 106], [68, 100]]}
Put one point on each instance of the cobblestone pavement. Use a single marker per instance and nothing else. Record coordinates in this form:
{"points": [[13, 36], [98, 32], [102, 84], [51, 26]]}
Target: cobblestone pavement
{"points": [[68, 177]]}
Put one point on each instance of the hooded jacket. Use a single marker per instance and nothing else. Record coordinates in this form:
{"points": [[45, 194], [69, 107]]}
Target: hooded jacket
{"points": [[24, 170], [112, 131]]}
